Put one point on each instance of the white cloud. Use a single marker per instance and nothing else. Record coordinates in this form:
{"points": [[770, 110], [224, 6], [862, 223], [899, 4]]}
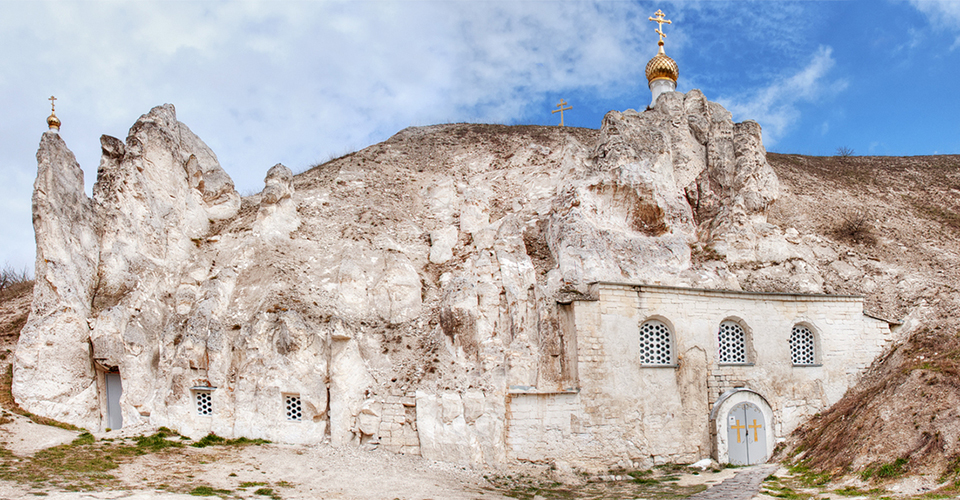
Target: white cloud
{"points": [[941, 12], [263, 82], [775, 107], [944, 14]]}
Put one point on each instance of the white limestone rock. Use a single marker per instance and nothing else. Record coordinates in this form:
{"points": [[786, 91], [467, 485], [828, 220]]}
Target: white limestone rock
{"points": [[442, 242], [54, 373], [340, 284], [277, 216]]}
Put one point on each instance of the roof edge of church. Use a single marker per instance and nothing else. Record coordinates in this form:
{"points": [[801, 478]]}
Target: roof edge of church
{"points": [[684, 289]]}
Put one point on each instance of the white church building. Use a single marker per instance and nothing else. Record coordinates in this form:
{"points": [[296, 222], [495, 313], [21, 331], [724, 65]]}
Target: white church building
{"points": [[667, 374]]}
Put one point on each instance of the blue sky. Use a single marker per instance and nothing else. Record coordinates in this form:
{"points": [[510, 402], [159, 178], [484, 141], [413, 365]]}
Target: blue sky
{"points": [[301, 82]]}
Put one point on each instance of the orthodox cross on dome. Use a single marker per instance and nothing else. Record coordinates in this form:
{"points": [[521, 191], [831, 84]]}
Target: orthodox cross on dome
{"points": [[561, 109], [53, 123], [660, 22]]}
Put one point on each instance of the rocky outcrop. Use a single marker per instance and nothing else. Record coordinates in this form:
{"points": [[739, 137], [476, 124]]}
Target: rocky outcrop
{"points": [[54, 373], [277, 216], [399, 292]]}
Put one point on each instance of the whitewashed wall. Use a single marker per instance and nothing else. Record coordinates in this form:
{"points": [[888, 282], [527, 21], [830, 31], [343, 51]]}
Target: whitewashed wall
{"points": [[631, 415]]}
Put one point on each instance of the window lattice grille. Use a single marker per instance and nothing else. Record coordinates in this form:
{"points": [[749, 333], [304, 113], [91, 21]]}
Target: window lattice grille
{"points": [[655, 343], [733, 343], [801, 346], [204, 400], [291, 403]]}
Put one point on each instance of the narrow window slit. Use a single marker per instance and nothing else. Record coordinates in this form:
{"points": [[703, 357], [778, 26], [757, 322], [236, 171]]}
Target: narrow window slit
{"points": [[292, 406], [203, 398]]}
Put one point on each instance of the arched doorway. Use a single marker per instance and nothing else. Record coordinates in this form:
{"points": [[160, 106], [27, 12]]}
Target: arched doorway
{"points": [[742, 425], [746, 435]]}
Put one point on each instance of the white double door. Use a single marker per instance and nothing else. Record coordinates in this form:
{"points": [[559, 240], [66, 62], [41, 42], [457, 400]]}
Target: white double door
{"points": [[746, 435]]}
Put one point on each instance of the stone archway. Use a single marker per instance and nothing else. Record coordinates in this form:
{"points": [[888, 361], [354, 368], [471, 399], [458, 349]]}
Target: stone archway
{"points": [[742, 423]]}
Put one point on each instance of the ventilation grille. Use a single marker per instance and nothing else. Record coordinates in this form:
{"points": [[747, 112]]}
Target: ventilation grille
{"points": [[801, 346], [291, 403], [204, 400], [732, 343], [655, 344]]}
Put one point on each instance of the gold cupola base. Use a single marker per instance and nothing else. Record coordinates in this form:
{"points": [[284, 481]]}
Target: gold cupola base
{"points": [[660, 86]]}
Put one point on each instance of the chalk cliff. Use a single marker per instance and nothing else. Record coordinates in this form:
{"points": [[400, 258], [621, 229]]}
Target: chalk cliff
{"points": [[423, 272]]}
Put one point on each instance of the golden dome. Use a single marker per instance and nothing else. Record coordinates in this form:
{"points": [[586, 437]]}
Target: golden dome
{"points": [[661, 67], [53, 122]]}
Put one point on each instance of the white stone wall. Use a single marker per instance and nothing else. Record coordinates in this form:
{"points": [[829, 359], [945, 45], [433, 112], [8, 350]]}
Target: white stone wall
{"points": [[540, 423], [397, 429], [628, 414], [465, 428]]}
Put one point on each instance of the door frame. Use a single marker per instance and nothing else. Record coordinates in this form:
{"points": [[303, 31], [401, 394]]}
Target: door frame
{"points": [[718, 421]]}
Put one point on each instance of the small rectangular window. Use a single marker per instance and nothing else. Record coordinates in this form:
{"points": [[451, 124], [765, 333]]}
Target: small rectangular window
{"points": [[204, 401], [292, 406]]}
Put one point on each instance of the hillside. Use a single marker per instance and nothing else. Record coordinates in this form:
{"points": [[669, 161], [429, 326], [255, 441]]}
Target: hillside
{"points": [[399, 293], [904, 259]]}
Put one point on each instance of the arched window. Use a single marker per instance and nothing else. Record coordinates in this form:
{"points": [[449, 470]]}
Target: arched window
{"points": [[733, 343], [656, 344], [802, 350]]}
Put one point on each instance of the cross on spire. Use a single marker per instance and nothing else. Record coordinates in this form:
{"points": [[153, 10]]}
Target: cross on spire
{"points": [[561, 109], [53, 105], [660, 22]]}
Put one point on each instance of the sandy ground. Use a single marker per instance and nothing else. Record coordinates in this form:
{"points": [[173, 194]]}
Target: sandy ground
{"points": [[291, 471]]}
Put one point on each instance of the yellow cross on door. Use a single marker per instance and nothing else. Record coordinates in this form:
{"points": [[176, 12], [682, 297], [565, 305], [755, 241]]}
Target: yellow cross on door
{"points": [[755, 426], [739, 427]]}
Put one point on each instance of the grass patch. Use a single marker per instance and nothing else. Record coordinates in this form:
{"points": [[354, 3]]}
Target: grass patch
{"points": [[82, 439], [215, 440], [850, 491], [784, 492], [158, 441], [208, 491], [812, 479], [643, 477], [885, 471], [84, 464]]}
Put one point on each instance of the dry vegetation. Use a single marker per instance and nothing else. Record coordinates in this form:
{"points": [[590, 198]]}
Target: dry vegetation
{"points": [[903, 418], [16, 291]]}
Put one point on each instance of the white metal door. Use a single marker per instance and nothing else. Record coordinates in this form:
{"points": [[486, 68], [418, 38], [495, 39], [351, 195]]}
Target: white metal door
{"points": [[114, 390], [746, 435]]}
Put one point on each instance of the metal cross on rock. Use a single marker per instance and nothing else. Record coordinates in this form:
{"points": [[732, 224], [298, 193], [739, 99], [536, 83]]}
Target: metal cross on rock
{"points": [[561, 110]]}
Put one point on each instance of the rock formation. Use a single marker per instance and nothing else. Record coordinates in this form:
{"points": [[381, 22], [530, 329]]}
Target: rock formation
{"points": [[399, 291]]}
